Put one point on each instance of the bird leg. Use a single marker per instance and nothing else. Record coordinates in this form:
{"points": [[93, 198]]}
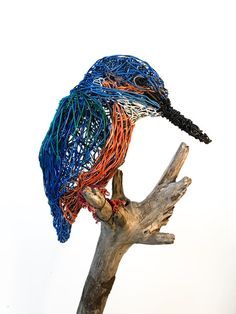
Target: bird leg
{"points": [[104, 208], [100, 204]]}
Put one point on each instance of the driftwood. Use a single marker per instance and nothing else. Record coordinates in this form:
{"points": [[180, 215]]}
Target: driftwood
{"points": [[133, 223]]}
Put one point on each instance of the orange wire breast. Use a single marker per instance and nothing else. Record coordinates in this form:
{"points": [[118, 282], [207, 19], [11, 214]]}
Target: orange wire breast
{"points": [[109, 160]]}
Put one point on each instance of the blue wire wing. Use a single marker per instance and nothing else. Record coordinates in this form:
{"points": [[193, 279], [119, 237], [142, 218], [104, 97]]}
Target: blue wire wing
{"points": [[78, 132]]}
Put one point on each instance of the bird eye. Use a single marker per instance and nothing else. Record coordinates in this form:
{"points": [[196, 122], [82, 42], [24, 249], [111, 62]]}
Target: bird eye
{"points": [[140, 80], [112, 77]]}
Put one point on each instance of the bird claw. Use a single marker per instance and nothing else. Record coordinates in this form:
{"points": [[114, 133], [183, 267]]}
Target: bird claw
{"points": [[116, 203]]}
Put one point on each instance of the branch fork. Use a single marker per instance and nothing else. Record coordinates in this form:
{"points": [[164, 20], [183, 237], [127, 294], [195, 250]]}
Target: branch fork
{"points": [[137, 222]]}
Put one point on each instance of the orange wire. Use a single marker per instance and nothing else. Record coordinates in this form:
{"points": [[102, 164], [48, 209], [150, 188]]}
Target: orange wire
{"points": [[109, 160]]}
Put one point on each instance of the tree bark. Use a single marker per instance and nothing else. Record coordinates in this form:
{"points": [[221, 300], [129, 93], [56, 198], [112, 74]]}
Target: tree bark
{"points": [[135, 222]]}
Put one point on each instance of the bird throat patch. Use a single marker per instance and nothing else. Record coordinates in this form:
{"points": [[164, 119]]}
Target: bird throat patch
{"points": [[133, 109]]}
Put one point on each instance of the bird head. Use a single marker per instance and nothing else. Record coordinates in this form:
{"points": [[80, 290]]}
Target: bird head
{"points": [[137, 87]]}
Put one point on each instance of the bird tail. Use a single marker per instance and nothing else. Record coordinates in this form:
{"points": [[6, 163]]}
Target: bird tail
{"points": [[62, 226]]}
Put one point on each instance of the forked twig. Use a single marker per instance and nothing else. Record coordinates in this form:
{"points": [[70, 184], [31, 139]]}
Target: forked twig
{"points": [[134, 223]]}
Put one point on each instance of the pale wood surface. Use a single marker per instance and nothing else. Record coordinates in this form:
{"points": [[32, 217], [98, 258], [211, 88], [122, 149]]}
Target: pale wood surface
{"points": [[134, 223]]}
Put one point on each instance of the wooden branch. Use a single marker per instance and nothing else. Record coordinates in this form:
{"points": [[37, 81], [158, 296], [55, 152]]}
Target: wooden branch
{"points": [[157, 238], [175, 165], [134, 223], [98, 201]]}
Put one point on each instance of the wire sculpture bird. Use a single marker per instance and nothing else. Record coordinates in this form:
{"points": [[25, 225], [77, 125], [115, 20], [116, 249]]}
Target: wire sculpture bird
{"points": [[90, 134]]}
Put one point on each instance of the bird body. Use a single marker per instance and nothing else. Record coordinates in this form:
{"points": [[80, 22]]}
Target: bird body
{"points": [[104, 166], [90, 134]]}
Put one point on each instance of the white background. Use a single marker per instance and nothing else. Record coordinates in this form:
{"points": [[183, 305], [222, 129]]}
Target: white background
{"points": [[46, 48]]}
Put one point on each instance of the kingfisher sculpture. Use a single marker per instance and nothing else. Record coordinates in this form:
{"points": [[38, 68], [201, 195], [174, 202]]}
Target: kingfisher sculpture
{"points": [[90, 134]]}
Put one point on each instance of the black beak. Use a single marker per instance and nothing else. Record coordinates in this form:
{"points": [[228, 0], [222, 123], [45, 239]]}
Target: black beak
{"points": [[175, 117], [183, 123]]}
